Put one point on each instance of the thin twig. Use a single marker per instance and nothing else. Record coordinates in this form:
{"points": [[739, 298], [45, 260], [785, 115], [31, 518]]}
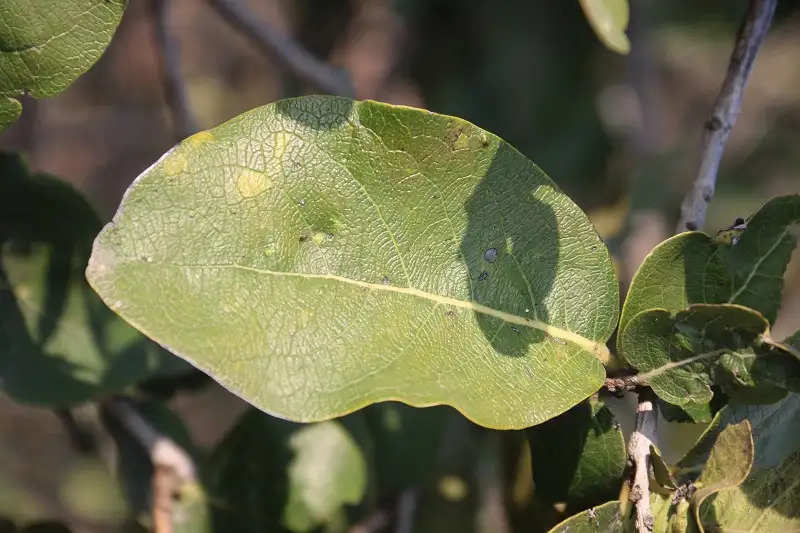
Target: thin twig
{"points": [[290, 53], [172, 466], [183, 122], [639, 454], [726, 108]]}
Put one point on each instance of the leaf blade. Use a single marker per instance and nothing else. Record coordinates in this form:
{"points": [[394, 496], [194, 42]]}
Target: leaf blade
{"points": [[47, 45], [418, 212]]}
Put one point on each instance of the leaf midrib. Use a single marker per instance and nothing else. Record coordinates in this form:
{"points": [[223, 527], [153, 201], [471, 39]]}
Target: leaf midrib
{"points": [[596, 348], [757, 266]]}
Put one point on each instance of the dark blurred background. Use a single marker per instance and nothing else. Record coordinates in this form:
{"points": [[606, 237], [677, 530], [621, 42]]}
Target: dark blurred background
{"points": [[620, 134]]}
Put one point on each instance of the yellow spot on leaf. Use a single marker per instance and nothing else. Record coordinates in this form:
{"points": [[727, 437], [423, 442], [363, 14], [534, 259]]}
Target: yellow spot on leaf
{"points": [[461, 142], [251, 183], [319, 238], [199, 138], [175, 163]]}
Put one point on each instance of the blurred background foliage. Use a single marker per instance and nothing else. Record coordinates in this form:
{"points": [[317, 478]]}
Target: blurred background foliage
{"points": [[621, 135]]}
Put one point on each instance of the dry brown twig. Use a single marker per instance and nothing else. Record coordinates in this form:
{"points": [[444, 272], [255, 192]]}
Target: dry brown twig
{"points": [[726, 109]]}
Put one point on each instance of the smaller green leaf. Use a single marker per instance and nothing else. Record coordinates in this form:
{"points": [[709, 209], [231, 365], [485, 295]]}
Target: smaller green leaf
{"points": [[600, 519], [774, 426], [661, 470], [759, 258], [681, 355], [728, 464], [269, 474], [767, 502], [46, 45], [693, 268], [579, 456], [609, 19]]}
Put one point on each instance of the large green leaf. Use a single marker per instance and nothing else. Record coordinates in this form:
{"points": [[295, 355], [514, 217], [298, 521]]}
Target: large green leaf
{"points": [[609, 19], [46, 44], [318, 254], [767, 502], [269, 474], [693, 268], [579, 456], [58, 343], [680, 356]]}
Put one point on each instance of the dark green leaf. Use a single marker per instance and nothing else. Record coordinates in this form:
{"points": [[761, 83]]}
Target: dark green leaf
{"points": [[318, 254], [758, 260], [775, 428], [59, 344], [693, 268], [681, 355], [46, 44], [661, 471], [270, 474], [767, 502], [578, 456]]}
